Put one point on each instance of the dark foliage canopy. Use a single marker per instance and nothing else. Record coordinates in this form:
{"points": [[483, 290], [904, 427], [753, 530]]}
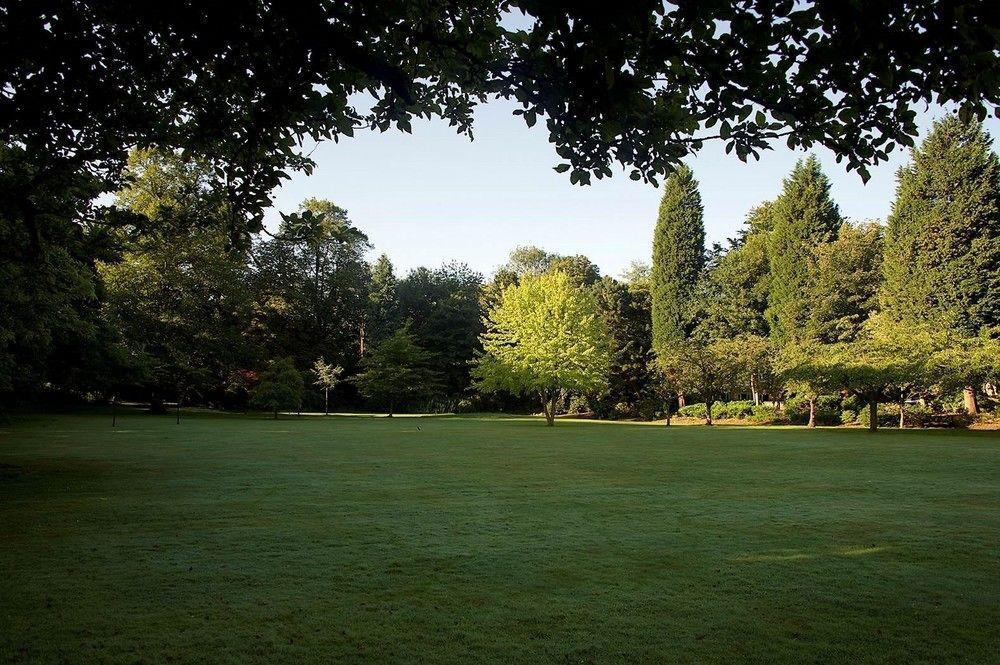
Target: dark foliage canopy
{"points": [[943, 238], [249, 85]]}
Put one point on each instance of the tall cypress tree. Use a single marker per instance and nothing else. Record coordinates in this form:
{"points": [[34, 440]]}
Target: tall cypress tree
{"points": [[678, 258], [803, 216], [942, 259], [382, 313]]}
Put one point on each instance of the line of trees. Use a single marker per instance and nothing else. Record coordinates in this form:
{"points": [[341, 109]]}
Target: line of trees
{"points": [[803, 316], [806, 305]]}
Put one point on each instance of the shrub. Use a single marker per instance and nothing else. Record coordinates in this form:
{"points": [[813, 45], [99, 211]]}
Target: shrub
{"points": [[797, 409], [848, 417], [692, 410], [853, 403], [650, 408], [916, 416], [765, 414], [888, 416], [828, 409], [738, 410]]}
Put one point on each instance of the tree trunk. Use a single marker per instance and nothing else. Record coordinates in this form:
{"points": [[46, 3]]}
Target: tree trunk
{"points": [[971, 403], [902, 414], [754, 391], [873, 415], [326, 401], [669, 412], [275, 413], [548, 407], [392, 407], [680, 401], [812, 412], [708, 412]]}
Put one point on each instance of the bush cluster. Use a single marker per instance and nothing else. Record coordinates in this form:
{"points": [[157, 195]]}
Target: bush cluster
{"points": [[828, 410], [763, 414]]}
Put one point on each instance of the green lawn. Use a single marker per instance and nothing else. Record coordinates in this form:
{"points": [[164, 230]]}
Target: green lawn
{"points": [[231, 539]]}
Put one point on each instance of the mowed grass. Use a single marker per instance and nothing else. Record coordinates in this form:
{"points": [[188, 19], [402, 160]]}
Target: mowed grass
{"points": [[234, 539]]}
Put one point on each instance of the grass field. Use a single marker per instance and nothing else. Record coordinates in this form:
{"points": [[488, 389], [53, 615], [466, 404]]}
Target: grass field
{"points": [[232, 539]]}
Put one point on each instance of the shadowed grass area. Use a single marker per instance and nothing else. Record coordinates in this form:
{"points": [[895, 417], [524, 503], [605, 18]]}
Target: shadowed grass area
{"points": [[235, 539]]}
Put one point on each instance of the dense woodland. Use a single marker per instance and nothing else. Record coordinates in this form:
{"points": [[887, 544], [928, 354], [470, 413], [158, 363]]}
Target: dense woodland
{"points": [[803, 317]]}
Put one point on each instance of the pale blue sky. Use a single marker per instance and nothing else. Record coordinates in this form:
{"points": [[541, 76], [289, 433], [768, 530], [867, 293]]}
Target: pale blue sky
{"points": [[434, 196]]}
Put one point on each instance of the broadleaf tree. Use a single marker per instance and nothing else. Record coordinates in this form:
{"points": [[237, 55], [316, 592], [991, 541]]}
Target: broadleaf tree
{"points": [[546, 337], [249, 84], [327, 376]]}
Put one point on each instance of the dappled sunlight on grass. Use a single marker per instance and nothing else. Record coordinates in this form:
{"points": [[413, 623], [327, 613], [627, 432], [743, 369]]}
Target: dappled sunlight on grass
{"points": [[803, 556], [784, 556], [862, 551]]}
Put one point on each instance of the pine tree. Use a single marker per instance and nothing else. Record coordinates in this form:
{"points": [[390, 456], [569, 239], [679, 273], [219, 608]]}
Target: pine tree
{"points": [[942, 260], [803, 216], [678, 258]]}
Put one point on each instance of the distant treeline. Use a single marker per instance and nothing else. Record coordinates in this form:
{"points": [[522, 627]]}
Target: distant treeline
{"points": [[155, 300]]}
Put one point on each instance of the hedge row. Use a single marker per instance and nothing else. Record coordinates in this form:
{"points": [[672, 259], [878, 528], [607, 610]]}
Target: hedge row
{"points": [[830, 410]]}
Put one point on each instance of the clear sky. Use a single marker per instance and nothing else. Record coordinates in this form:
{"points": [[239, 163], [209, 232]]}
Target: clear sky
{"points": [[434, 196]]}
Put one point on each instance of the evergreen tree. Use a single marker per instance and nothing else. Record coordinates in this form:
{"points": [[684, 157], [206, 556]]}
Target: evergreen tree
{"points": [[382, 315], [280, 387], [398, 370], [678, 257], [844, 277], [803, 216], [943, 238], [739, 281], [631, 384], [942, 260]]}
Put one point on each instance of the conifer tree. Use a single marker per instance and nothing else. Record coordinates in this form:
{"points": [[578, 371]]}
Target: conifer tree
{"points": [[398, 370], [280, 387], [942, 259], [844, 277], [381, 316], [803, 216], [678, 258]]}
